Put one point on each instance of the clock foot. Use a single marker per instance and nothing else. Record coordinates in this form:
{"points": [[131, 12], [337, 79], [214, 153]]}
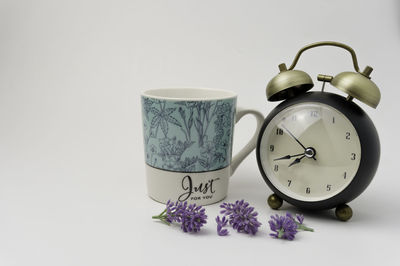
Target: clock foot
{"points": [[274, 201], [343, 212]]}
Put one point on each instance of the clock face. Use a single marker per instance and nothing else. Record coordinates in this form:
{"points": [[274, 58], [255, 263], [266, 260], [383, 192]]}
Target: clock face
{"points": [[310, 151]]}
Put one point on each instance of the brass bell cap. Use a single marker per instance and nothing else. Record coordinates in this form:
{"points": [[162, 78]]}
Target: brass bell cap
{"points": [[287, 84], [359, 86]]}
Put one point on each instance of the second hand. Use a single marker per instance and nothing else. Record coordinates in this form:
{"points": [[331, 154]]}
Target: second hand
{"points": [[290, 133]]}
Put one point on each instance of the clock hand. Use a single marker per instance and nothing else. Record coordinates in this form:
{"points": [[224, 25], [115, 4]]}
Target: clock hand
{"points": [[296, 161], [305, 149], [288, 157], [310, 153], [290, 133]]}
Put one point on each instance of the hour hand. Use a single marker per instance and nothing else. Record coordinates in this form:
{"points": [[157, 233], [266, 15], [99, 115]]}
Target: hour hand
{"points": [[296, 161], [288, 157]]}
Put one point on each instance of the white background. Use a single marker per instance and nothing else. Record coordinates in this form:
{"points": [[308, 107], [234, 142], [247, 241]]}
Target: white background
{"points": [[72, 183]]}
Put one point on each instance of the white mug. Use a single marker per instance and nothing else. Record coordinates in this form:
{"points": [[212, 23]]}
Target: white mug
{"points": [[188, 136]]}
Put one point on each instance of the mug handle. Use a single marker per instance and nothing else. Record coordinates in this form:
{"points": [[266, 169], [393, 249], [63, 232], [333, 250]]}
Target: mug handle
{"points": [[251, 145]]}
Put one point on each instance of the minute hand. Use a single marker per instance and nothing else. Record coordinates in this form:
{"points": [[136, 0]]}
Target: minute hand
{"points": [[290, 133], [288, 156]]}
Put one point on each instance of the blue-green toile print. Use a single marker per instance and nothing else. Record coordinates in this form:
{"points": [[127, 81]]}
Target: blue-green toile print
{"points": [[188, 136]]}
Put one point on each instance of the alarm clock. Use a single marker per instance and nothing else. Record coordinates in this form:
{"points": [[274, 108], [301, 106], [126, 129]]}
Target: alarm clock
{"points": [[319, 150]]}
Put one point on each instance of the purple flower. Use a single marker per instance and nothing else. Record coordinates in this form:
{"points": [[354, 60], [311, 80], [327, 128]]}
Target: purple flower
{"points": [[221, 223], [300, 218], [191, 217], [241, 217], [283, 226], [286, 227]]}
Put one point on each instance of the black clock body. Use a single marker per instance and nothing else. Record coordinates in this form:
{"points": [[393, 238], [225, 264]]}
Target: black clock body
{"points": [[369, 141]]}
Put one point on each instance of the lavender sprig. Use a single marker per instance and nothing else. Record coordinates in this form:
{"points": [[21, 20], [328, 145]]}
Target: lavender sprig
{"points": [[221, 223], [283, 227], [299, 222], [286, 226], [241, 216], [190, 217]]}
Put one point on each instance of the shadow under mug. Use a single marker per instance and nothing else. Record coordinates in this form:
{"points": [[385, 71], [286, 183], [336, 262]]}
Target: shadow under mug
{"points": [[188, 136]]}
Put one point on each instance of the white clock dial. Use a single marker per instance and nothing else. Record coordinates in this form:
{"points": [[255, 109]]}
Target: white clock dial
{"points": [[310, 151]]}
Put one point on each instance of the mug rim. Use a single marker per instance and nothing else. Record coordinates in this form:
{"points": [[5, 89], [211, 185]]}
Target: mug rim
{"points": [[218, 94]]}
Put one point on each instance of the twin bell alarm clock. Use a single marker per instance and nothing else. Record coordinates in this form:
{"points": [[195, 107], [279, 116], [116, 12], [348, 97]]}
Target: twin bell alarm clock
{"points": [[319, 150]]}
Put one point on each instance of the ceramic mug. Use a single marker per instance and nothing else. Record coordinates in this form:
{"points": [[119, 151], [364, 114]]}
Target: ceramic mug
{"points": [[188, 135]]}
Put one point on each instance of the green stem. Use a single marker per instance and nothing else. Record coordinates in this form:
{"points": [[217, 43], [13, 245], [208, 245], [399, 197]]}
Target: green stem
{"points": [[163, 212], [165, 222], [304, 228], [280, 233], [159, 216], [162, 218]]}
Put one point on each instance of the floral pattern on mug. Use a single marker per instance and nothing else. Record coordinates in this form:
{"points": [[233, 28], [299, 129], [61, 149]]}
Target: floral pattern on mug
{"points": [[188, 136]]}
